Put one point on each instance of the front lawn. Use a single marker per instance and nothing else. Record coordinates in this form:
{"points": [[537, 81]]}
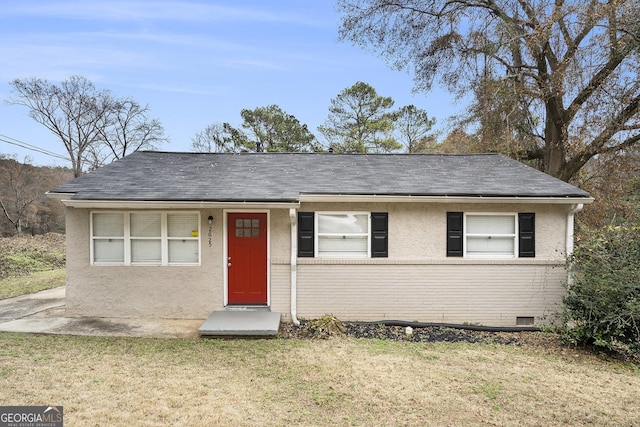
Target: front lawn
{"points": [[34, 282], [30, 264], [338, 382]]}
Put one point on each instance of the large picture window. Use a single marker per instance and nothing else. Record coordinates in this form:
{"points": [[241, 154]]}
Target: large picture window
{"points": [[145, 238]]}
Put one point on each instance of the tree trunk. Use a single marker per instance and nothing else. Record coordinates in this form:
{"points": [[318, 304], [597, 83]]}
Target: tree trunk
{"points": [[554, 151]]}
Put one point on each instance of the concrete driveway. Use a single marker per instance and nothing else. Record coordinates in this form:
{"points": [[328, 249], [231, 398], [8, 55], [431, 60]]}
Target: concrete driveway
{"points": [[31, 304], [43, 313]]}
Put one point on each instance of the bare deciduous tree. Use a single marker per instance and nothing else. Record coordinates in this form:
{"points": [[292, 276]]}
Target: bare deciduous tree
{"points": [[75, 111], [130, 129], [573, 66], [94, 126], [19, 191]]}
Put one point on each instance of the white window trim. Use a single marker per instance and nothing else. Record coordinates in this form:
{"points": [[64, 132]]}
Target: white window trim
{"points": [[127, 239], [514, 235], [92, 239], [341, 256]]}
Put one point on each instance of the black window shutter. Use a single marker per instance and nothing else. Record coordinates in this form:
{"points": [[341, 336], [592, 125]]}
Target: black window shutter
{"points": [[455, 236], [527, 235], [379, 234], [305, 234]]}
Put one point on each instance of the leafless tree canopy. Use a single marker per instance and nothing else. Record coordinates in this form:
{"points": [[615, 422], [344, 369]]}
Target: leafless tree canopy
{"points": [[94, 126], [131, 129], [23, 205], [570, 67]]}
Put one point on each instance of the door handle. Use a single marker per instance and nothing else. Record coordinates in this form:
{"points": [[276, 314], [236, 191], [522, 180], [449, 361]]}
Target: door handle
{"points": [[229, 264]]}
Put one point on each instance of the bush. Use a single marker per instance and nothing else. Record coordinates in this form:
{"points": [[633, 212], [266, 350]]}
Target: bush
{"points": [[602, 304]]}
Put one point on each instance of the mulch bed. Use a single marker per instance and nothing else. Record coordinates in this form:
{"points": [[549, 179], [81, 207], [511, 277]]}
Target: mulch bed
{"points": [[429, 334], [547, 342]]}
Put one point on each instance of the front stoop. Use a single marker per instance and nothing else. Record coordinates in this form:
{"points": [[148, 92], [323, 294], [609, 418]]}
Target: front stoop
{"points": [[241, 323]]}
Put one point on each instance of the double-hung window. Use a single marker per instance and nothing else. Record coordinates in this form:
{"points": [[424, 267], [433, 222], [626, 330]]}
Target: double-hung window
{"points": [[485, 235], [490, 235], [145, 238], [107, 237], [183, 238], [343, 234]]}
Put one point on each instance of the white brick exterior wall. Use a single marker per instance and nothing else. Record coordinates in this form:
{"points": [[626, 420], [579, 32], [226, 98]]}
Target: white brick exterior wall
{"points": [[417, 282], [448, 293]]}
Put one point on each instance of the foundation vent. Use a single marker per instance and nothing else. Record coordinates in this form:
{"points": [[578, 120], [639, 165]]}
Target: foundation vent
{"points": [[524, 321]]}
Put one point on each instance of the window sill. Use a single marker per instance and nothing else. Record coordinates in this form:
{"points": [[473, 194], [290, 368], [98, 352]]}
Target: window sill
{"points": [[102, 264]]}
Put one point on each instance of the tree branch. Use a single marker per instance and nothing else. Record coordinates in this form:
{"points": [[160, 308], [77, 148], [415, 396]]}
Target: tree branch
{"points": [[597, 145], [574, 44], [598, 79]]}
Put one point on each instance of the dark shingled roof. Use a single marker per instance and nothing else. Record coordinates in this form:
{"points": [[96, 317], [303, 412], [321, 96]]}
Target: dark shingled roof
{"points": [[282, 177]]}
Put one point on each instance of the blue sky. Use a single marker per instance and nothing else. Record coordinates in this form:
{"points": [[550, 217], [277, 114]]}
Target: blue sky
{"points": [[193, 62]]}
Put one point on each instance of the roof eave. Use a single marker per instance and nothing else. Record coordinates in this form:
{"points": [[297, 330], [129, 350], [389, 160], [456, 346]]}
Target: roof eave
{"points": [[385, 198], [175, 204], [58, 196], [67, 200]]}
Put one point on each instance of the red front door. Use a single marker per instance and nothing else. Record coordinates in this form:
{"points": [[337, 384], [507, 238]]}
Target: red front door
{"points": [[247, 258]]}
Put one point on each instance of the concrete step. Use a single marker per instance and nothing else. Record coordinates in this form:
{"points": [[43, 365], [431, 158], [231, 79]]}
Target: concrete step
{"points": [[241, 323]]}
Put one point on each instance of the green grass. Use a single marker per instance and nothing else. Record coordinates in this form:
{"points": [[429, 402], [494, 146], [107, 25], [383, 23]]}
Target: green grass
{"points": [[21, 255], [26, 262], [35, 282], [35, 260], [31, 263]]}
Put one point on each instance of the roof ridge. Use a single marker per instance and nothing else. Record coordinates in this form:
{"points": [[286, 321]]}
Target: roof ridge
{"points": [[274, 153]]}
